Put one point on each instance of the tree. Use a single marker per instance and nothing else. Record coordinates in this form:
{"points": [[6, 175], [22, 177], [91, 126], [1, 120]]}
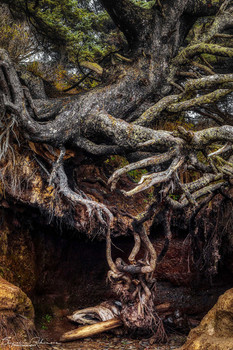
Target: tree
{"points": [[69, 30], [16, 37], [177, 63]]}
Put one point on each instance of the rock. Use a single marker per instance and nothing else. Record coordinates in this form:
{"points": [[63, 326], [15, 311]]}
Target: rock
{"points": [[215, 331], [16, 311]]}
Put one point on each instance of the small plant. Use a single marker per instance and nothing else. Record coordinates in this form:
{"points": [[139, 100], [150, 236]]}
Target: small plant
{"points": [[45, 321], [174, 196], [116, 161], [137, 174]]}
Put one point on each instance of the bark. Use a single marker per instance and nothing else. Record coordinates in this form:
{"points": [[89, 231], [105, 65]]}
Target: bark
{"points": [[129, 18], [115, 119], [89, 331]]}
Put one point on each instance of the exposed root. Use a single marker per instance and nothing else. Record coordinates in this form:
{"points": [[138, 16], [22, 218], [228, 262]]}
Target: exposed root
{"points": [[157, 178], [155, 160], [136, 248], [102, 312], [168, 233]]}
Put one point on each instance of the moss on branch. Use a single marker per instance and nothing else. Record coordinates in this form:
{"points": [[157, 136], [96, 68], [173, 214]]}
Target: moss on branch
{"points": [[184, 56], [199, 101]]}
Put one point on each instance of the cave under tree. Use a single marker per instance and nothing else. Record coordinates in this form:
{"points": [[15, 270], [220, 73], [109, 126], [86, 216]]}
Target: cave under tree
{"points": [[172, 64]]}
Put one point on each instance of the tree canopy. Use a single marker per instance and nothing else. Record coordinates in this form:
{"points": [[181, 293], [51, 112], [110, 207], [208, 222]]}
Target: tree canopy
{"points": [[76, 30]]}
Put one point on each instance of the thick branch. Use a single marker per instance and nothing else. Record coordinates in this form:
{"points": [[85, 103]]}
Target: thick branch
{"points": [[207, 136], [199, 101], [152, 113], [207, 82], [196, 49]]}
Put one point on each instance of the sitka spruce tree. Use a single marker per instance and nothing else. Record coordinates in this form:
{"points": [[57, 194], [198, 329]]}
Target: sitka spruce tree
{"points": [[75, 30], [177, 57]]}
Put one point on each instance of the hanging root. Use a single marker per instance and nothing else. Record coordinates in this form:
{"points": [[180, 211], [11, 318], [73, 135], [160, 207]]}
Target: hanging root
{"points": [[134, 285], [168, 233], [58, 178], [138, 312], [136, 248], [132, 281]]}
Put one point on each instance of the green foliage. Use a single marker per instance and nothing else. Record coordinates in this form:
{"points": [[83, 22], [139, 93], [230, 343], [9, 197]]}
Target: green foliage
{"points": [[116, 161], [137, 174], [173, 124], [144, 3], [46, 319], [15, 36], [174, 196], [73, 28]]}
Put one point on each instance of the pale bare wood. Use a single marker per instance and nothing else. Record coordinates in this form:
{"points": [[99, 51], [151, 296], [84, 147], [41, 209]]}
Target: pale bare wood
{"points": [[90, 330], [163, 307]]}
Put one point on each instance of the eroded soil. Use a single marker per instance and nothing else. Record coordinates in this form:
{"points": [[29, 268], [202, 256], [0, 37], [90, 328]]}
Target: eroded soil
{"points": [[50, 331], [103, 341]]}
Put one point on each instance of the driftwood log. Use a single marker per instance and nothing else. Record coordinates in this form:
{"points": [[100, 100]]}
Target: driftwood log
{"points": [[90, 330]]}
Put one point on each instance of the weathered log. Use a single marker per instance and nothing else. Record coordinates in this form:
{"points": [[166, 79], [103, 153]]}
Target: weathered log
{"points": [[105, 311], [90, 330]]}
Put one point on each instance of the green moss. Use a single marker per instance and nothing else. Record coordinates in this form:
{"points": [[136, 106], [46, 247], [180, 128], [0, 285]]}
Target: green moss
{"points": [[137, 174], [144, 4], [174, 196], [73, 28], [195, 31], [212, 59], [116, 161]]}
